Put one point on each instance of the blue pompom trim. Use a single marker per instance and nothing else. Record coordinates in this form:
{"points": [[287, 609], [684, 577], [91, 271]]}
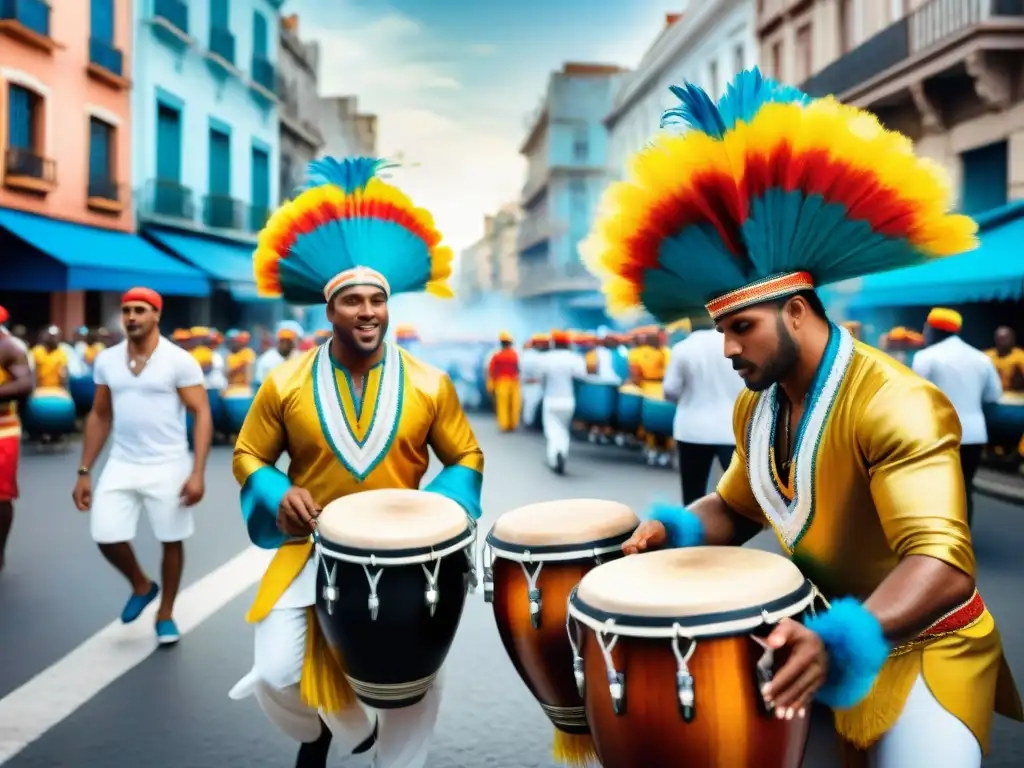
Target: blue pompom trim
{"points": [[856, 648], [683, 527]]}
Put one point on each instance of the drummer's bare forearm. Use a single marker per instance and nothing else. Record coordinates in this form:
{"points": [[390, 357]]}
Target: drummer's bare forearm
{"points": [[918, 592], [723, 526]]}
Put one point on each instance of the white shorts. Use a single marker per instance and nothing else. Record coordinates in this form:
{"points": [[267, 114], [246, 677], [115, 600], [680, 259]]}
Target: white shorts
{"points": [[125, 489]]}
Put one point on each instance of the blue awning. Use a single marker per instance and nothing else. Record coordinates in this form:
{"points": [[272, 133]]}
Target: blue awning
{"points": [[993, 272], [227, 263], [85, 258]]}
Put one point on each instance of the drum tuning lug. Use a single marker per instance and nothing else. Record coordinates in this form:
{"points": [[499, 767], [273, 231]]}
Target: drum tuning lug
{"points": [[330, 597], [687, 698], [535, 603], [617, 689], [577, 671], [488, 584], [432, 597], [374, 606]]}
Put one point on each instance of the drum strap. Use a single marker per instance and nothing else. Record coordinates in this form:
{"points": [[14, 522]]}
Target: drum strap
{"points": [[287, 564]]}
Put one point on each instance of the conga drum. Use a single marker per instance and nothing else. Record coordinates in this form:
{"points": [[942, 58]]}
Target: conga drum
{"points": [[83, 392], [657, 417], [540, 552], [235, 404], [50, 411], [671, 665], [595, 402], [628, 408], [393, 570]]}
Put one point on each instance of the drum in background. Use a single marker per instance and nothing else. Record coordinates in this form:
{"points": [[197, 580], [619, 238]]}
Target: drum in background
{"points": [[595, 402], [83, 392], [672, 665], [216, 415], [49, 411], [629, 409], [235, 404], [1005, 420], [540, 552], [393, 570], [658, 417]]}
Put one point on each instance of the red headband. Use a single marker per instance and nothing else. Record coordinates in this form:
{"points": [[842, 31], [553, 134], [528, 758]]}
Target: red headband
{"points": [[145, 295], [4, 317]]}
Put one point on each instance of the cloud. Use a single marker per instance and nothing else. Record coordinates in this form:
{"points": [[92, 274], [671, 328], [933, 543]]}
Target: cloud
{"points": [[483, 49]]}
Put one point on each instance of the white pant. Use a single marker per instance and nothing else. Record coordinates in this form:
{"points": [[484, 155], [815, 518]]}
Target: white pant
{"points": [[924, 735], [532, 395], [125, 489], [403, 735], [557, 423]]}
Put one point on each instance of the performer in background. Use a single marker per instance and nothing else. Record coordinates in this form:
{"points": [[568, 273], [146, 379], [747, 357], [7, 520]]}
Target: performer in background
{"points": [[532, 390], [967, 377], [701, 381], [355, 414], [143, 387], [558, 369], [1008, 359], [51, 360], [15, 385], [240, 359], [851, 458], [503, 378], [287, 338]]}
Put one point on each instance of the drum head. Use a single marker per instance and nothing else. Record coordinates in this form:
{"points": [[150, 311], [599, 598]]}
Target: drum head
{"points": [[563, 524], [392, 519], [696, 587]]}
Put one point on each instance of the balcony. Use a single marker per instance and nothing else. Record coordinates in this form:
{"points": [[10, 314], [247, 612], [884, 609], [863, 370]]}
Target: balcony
{"points": [[223, 212], [28, 172], [264, 78], [538, 277], [170, 22], [256, 218], [222, 50], [533, 230], [27, 21], [166, 199], [106, 64], [104, 195], [942, 41]]}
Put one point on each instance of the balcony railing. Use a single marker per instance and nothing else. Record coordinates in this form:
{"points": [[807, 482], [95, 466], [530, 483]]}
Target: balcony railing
{"points": [[174, 12], [169, 199], [102, 188], [34, 15], [222, 212], [256, 217], [103, 54], [872, 57], [264, 74], [533, 230], [25, 164], [222, 44]]}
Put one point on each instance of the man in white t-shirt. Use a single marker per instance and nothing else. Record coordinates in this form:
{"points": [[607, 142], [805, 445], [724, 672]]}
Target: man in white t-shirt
{"points": [[557, 371], [143, 387]]}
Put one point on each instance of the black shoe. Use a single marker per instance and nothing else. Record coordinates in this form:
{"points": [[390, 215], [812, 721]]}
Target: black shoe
{"points": [[367, 744], [560, 464], [313, 754]]}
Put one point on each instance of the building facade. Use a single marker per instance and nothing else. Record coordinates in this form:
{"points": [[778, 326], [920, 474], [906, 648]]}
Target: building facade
{"points": [[301, 139], [491, 264], [347, 130], [706, 46], [205, 114], [566, 153], [943, 72], [66, 204]]}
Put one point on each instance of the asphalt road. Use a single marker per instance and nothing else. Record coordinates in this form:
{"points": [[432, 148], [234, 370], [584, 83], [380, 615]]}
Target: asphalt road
{"points": [[171, 710]]}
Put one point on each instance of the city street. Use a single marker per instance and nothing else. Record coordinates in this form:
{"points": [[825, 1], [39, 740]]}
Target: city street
{"points": [[78, 691]]}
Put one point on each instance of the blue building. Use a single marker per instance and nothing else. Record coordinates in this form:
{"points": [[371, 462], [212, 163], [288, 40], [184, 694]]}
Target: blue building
{"points": [[566, 152], [205, 139]]}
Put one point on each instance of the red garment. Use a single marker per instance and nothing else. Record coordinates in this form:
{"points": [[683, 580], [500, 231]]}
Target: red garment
{"points": [[504, 365], [10, 451]]}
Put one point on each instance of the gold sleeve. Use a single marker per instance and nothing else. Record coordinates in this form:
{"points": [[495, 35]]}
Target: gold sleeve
{"points": [[734, 485], [450, 435], [910, 437], [262, 438]]}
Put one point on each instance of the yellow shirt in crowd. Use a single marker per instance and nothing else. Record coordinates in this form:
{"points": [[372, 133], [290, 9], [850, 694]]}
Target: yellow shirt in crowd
{"points": [[1008, 366], [243, 357], [51, 367]]}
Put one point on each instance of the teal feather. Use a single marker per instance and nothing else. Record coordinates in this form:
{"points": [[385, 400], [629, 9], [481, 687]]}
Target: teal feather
{"points": [[350, 174]]}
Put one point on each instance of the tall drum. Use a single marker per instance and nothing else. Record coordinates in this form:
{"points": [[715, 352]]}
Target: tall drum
{"points": [[672, 663], [394, 568], [540, 552]]}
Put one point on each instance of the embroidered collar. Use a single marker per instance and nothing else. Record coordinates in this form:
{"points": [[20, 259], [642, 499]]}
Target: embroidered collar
{"points": [[791, 519], [359, 438]]}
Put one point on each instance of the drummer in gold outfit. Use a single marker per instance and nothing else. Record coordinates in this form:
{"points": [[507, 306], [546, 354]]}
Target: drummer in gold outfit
{"points": [[354, 414], [850, 457]]}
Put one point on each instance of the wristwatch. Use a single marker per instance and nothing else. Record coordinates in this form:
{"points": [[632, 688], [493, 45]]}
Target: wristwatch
{"points": [[83, 471]]}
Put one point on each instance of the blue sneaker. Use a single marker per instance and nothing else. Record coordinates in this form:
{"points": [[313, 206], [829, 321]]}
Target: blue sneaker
{"points": [[167, 632], [137, 603]]}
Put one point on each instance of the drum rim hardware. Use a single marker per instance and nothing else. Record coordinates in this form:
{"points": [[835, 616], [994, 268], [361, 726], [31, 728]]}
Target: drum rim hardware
{"points": [[406, 556], [554, 552]]}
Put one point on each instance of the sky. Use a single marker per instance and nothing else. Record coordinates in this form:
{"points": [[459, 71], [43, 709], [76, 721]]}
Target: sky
{"points": [[453, 81]]}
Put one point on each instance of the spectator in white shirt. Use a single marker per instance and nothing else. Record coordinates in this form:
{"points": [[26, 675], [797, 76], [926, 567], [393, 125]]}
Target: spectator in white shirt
{"points": [[702, 383], [143, 387], [269, 360], [968, 378], [529, 367], [557, 371]]}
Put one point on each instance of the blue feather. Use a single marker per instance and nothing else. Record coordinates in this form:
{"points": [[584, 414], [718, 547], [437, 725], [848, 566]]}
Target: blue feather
{"points": [[856, 648], [696, 110], [350, 173], [682, 527]]}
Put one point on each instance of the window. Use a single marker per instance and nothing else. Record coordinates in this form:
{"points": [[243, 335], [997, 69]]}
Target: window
{"points": [[101, 20], [23, 118], [581, 144], [259, 36], [985, 178], [259, 188], [777, 60], [804, 53], [170, 198], [739, 58], [101, 160], [220, 208], [847, 26]]}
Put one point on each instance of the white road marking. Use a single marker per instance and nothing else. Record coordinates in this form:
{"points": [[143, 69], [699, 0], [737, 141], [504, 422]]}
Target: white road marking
{"points": [[55, 693]]}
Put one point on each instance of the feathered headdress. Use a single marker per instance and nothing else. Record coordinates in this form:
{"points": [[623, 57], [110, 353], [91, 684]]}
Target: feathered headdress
{"points": [[767, 193], [349, 227]]}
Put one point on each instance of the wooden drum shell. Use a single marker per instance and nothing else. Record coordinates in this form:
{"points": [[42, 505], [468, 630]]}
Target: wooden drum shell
{"points": [[542, 656], [729, 730]]}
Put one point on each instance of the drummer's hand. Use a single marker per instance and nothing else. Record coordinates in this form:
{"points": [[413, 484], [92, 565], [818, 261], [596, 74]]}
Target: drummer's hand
{"points": [[297, 513], [650, 534], [793, 687], [82, 494]]}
